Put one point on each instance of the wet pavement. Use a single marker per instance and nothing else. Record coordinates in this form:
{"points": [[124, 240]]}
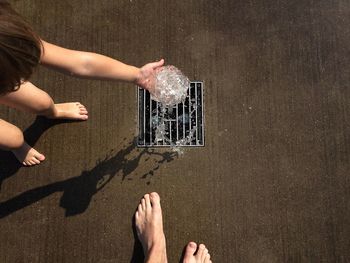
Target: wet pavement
{"points": [[271, 183]]}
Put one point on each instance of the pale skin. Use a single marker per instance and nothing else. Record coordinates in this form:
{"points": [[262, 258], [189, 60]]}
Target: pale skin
{"points": [[30, 98], [149, 227]]}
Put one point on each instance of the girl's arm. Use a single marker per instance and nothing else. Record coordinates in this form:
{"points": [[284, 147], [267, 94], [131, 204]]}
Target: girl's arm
{"points": [[96, 66]]}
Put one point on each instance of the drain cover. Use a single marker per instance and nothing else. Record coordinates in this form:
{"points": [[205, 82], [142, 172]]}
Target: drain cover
{"points": [[184, 123]]}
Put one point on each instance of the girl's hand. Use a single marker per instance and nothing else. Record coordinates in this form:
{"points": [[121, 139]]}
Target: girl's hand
{"points": [[146, 75]]}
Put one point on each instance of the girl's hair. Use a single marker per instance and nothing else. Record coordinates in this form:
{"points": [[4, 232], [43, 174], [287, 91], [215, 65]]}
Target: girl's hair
{"points": [[20, 49]]}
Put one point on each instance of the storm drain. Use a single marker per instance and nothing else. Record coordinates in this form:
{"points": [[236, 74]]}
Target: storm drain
{"points": [[184, 123]]}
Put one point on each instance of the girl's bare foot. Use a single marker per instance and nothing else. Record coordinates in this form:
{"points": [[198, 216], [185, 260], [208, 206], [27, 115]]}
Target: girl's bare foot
{"points": [[71, 111], [201, 256], [149, 226], [28, 156]]}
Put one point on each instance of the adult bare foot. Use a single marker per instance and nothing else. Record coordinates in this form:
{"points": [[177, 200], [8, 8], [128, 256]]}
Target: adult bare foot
{"points": [[149, 226], [71, 111], [201, 256], [28, 156]]}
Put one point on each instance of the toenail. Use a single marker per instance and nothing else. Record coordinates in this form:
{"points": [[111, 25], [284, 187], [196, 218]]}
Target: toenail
{"points": [[154, 194], [193, 245]]}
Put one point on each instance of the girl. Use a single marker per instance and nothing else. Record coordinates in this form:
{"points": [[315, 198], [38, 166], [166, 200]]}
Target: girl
{"points": [[21, 50]]}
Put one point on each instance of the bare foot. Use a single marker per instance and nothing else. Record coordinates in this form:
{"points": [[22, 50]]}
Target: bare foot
{"points": [[70, 110], [202, 255], [149, 226], [28, 156]]}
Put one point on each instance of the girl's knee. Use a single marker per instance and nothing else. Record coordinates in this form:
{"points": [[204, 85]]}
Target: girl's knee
{"points": [[44, 106], [18, 138], [11, 138]]}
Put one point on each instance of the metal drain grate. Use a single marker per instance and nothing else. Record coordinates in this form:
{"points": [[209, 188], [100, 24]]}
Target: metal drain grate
{"points": [[180, 120]]}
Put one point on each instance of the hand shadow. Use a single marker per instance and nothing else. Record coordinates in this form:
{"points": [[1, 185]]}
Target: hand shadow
{"points": [[78, 191], [9, 165]]}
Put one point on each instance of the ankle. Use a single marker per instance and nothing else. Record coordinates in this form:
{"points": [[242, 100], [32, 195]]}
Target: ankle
{"points": [[156, 251], [18, 147], [48, 114], [156, 254]]}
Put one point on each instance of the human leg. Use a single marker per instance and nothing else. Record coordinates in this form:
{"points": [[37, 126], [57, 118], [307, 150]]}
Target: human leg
{"points": [[149, 226], [11, 139], [31, 99]]}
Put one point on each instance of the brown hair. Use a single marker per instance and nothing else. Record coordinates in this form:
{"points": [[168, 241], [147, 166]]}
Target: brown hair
{"points": [[20, 49]]}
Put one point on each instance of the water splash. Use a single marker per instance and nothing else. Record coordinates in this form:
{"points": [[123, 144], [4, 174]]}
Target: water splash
{"points": [[162, 133], [171, 86], [171, 89]]}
